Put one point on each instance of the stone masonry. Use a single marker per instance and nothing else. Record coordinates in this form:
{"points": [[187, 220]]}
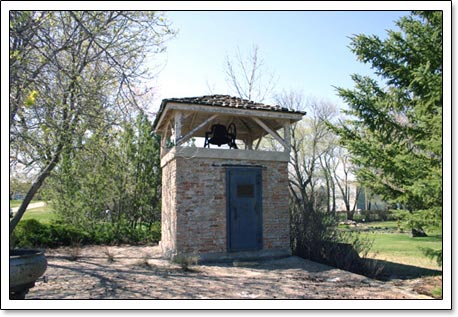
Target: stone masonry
{"points": [[194, 205]]}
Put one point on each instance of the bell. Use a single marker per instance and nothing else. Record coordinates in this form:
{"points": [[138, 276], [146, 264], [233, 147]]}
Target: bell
{"points": [[219, 135]]}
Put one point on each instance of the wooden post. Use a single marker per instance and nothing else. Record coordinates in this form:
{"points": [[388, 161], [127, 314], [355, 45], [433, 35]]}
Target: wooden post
{"points": [[248, 143], [188, 135], [178, 122], [287, 138], [164, 137]]}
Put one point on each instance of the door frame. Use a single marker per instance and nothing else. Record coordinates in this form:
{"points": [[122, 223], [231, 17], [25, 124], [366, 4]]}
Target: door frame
{"points": [[258, 191]]}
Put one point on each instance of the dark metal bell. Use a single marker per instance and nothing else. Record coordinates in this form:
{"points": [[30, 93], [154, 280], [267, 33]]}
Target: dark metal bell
{"points": [[219, 135]]}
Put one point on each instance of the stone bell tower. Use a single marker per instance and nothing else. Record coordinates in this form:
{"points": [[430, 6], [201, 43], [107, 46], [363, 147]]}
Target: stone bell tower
{"points": [[223, 197]]}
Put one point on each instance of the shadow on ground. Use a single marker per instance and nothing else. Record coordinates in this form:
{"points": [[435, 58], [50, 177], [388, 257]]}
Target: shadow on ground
{"points": [[386, 270]]}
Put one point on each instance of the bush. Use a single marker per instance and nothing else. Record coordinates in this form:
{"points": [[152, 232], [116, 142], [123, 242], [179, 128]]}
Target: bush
{"points": [[314, 236], [31, 233], [376, 215], [113, 233], [61, 234]]}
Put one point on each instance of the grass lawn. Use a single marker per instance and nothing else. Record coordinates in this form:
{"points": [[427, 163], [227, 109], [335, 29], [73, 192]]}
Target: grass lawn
{"points": [[402, 248], [393, 243], [43, 214]]}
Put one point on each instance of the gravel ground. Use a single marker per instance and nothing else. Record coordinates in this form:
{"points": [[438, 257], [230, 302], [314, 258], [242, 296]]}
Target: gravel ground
{"points": [[139, 272]]}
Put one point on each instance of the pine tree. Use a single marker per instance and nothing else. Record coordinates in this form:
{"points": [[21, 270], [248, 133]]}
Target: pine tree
{"points": [[394, 131]]}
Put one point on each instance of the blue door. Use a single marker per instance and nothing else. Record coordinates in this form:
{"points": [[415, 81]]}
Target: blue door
{"points": [[244, 208]]}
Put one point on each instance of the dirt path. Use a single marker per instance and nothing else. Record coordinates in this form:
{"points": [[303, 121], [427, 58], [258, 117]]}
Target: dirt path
{"points": [[138, 272]]}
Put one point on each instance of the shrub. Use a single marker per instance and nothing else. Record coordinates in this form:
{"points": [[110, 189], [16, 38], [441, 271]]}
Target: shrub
{"points": [[31, 233], [315, 236], [61, 234], [377, 215], [185, 261]]}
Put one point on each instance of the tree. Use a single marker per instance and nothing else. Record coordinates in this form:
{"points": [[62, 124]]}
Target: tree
{"points": [[311, 222], [117, 171], [248, 77], [394, 133], [73, 73], [311, 142], [344, 182]]}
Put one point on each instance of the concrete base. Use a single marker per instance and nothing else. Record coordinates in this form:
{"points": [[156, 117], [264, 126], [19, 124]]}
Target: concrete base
{"points": [[260, 255]]}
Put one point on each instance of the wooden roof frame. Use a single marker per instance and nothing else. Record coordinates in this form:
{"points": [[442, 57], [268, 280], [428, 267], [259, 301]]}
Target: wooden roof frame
{"points": [[253, 124]]}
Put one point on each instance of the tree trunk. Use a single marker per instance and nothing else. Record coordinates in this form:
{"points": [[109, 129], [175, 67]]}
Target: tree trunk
{"points": [[34, 188]]}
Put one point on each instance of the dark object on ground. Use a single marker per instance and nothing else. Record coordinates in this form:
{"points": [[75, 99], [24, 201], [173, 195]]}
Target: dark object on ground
{"points": [[418, 233]]}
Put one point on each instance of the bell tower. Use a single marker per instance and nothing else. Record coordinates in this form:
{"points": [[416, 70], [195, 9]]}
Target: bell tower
{"points": [[224, 167]]}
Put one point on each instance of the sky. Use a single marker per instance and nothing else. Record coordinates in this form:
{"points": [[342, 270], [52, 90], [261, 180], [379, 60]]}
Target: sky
{"points": [[307, 51]]}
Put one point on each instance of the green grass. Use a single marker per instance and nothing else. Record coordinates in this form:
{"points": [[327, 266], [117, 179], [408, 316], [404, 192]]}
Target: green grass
{"points": [[402, 248], [437, 292], [43, 214], [15, 203], [392, 243]]}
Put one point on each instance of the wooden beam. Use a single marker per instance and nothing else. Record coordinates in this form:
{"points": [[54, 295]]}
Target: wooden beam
{"points": [[236, 111], [193, 119], [271, 132], [185, 137], [257, 143]]}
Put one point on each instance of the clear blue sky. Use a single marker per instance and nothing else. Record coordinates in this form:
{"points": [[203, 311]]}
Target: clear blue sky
{"points": [[307, 50]]}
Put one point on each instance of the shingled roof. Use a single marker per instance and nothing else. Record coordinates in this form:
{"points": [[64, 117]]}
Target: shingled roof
{"points": [[224, 101]]}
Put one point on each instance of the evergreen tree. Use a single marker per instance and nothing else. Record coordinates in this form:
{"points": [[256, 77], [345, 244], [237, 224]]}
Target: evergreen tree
{"points": [[394, 133]]}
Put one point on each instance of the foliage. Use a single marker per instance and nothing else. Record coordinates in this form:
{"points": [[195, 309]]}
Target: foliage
{"points": [[313, 179], [434, 254], [32, 233], [116, 179], [315, 236], [308, 229], [376, 215], [394, 134], [74, 74], [18, 187]]}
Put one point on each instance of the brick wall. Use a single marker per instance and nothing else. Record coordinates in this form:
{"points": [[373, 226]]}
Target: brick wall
{"points": [[194, 205]]}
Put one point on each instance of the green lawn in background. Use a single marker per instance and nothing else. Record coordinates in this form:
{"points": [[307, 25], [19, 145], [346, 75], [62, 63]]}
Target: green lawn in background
{"points": [[43, 214], [402, 248], [15, 203], [392, 242]]}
